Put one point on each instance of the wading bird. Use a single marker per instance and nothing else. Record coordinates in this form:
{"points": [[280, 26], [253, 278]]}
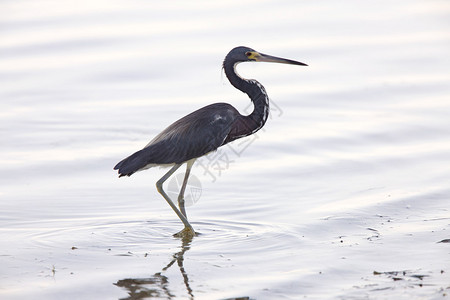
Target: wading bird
{"points": [[204, 130]]}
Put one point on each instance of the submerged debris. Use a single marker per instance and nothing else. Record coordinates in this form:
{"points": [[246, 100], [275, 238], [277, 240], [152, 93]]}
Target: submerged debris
{"points": [[445, 241], [401, 275]]}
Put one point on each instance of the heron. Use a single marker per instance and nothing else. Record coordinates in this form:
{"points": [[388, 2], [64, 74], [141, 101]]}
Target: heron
{"points": [[204, 130]]}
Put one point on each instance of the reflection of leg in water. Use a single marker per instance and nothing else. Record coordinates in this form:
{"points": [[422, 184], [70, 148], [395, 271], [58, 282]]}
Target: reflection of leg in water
{"points": [[158, 285], [179, 258]]}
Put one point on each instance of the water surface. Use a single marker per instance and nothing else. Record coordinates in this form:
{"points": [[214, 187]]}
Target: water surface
{"points": [[343, 195]]}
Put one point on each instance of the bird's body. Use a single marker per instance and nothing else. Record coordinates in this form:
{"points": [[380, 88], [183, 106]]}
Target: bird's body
{"points": [[205, 129], [185, 139]]}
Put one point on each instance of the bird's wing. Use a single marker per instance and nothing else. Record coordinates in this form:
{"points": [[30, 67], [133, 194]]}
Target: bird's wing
{"points": [[192, 136]]}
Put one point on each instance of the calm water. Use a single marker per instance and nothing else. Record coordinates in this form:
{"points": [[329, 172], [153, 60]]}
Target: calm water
{"points": [[345, 194]]}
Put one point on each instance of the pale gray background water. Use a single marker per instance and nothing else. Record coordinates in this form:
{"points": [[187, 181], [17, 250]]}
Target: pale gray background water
{"points": [[350, 175]]}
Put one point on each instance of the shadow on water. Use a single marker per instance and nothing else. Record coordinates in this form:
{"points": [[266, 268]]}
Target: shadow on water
{"points": [[158, 285]]}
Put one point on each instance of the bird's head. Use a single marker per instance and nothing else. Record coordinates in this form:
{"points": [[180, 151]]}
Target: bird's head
{"points": [[243, 54]]}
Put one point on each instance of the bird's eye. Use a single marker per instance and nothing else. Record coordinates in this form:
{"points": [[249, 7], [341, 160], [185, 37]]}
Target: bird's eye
{"points": [[248, 54]]}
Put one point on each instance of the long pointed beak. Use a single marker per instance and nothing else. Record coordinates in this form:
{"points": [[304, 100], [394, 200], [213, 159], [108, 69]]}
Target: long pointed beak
{"points": [[274, 59]]}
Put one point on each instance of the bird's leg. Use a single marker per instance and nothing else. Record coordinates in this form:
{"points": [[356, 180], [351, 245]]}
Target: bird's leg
{"points": [[159, 186], [183, 187]]}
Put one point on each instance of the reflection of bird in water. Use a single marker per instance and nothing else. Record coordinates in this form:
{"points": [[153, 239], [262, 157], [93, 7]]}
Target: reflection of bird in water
{"points": [[158, 286], [204, 130]]}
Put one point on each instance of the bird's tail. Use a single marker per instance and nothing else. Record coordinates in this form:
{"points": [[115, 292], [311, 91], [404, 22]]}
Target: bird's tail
{"points": [[132, 163]]}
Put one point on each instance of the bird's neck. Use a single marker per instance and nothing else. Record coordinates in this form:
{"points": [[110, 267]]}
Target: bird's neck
{"points": [[257, 95]]}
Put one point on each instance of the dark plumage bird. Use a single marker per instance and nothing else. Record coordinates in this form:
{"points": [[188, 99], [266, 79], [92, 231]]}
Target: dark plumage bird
{"points": [[205, 129]]}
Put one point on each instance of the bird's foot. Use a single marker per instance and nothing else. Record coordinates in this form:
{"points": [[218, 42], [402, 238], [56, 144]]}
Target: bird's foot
{"points": [[186, 233]]}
